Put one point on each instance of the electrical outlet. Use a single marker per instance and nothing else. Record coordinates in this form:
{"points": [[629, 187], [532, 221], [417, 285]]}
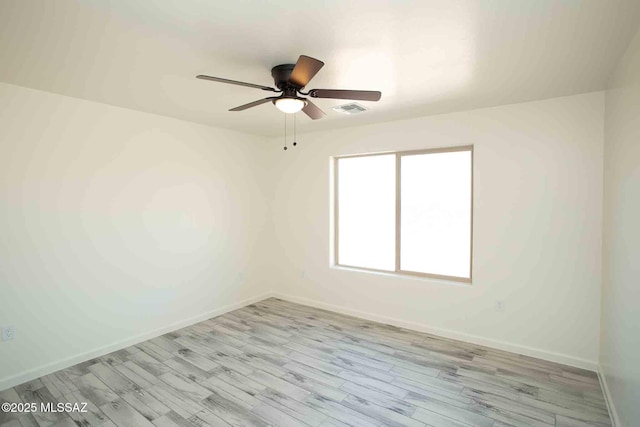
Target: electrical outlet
{"points": [[8, 333], [500, 306]]}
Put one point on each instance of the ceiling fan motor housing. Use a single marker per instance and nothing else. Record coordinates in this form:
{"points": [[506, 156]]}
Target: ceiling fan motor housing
{"points": [[281, 75]]}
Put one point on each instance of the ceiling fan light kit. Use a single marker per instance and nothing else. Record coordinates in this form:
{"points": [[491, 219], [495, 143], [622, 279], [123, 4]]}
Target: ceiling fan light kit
{"points": [[290, 105]]}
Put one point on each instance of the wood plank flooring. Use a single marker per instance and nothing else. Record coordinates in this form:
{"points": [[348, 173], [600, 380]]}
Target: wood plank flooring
{"points": [[275, 363]]}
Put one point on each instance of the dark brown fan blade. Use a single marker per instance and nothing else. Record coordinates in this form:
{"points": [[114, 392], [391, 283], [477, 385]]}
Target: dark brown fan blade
{"points": [[253, 104], [360, 95], [305, 69], [313, 111], [234, 82]]}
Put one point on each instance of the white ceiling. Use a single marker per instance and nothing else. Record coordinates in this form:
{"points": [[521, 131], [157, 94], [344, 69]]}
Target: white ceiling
{"points": [[427, 56]]}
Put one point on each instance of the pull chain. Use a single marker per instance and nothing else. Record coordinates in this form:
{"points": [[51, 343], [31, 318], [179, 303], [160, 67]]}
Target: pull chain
{"points": [[294, 130], [285, 132]]}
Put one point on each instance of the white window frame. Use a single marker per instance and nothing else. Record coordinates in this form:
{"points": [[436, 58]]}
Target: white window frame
{"points": [[398, 270]]}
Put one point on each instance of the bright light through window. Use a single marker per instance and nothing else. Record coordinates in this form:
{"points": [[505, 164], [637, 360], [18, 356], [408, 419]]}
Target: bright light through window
{"points": [[366, 196], [435, 206], [435, 218]]}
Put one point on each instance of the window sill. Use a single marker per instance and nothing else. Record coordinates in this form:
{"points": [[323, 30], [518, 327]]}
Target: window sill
{"points": [[406, 275]]}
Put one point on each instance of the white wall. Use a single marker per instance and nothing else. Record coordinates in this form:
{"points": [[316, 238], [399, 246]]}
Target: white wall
{"points": [[537, 228], [620, 329], [116, 224]]}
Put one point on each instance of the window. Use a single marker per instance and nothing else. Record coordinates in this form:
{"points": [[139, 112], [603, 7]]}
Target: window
{"points": [[406, 212]]}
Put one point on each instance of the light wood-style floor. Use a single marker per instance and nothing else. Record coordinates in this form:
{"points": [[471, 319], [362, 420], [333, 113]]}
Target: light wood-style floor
{"points": [[282, 364]]}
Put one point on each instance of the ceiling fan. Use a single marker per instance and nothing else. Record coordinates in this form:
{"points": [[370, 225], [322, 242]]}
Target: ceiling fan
{"points": [[290, 79]]}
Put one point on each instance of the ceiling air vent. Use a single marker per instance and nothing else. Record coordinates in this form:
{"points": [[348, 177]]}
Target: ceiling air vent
{"points": [[351, 108]]}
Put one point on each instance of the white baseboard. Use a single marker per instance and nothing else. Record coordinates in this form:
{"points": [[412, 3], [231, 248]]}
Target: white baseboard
{"points": [[615, 420], [447, 333], [51, 367]]}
